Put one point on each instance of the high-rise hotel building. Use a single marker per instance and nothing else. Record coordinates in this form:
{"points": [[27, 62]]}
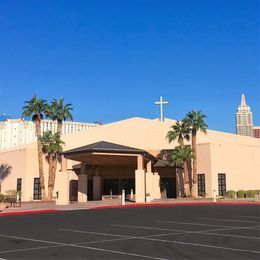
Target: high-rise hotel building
{"points": [[15, 132], [256, 131], [244, 119]]}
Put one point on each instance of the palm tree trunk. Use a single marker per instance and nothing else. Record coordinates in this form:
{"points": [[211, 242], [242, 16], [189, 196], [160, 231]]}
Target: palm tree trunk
{"points": [[186, 179], [59, 127], [51, 177], [52, 173], [180, 183], [40, 157], [186, 182], [194, 164]]}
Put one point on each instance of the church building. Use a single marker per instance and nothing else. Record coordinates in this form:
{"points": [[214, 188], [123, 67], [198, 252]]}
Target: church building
{"points": [[131, 155]]}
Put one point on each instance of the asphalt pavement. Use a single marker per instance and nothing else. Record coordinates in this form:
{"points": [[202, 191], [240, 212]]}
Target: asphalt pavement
{"points": [[212, 231]]}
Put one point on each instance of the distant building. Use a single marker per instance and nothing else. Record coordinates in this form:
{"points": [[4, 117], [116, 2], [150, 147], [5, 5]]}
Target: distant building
{"points": [[256, 131], [244, 119], [15, 132]]}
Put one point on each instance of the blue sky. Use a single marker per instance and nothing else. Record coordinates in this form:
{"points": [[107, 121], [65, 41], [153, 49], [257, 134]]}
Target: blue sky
{"points": [[113, 59]]}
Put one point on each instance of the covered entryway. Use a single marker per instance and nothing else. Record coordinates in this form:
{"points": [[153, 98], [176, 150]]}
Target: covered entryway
{"points": [[112, 168], [168, 182]]}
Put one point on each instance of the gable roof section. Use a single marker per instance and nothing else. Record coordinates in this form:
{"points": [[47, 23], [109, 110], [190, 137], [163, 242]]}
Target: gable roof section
{"points": [[107, 147]]}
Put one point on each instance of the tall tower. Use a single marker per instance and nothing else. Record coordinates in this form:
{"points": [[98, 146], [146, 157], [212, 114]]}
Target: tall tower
{"points": [[244, 119]]}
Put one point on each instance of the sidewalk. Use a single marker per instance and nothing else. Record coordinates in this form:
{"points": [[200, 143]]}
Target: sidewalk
{"points": [[38, 207]]}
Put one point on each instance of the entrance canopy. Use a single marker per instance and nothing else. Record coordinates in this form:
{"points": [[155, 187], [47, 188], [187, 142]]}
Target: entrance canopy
{"points": [[106, 153]]}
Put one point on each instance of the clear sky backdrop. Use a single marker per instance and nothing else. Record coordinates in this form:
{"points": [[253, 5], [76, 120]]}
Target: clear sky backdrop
{"points": [[112, 59]]}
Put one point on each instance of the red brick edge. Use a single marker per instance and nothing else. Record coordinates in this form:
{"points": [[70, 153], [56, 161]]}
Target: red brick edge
{"points": [[27, 212], [139, 205]]}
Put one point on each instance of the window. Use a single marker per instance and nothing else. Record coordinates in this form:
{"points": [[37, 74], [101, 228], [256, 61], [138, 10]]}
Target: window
{"points": [[37, 189], [201, 185], [222, 184], [19, 185]]}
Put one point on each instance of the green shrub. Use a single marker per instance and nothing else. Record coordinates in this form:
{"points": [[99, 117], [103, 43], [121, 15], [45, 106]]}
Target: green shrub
{"points": [[251, 193], [2, 198], [11, 194], [230, 194], [257, 192], [241, 194]]}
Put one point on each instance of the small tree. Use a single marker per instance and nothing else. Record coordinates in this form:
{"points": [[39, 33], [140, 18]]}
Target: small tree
{"points": [[35, 108], [52, 148], [179, 157]]}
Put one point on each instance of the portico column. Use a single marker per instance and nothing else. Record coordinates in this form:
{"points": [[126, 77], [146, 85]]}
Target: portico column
{"points": [[96, 185], [149, 179], [140, 180], [156, 186], [62, 184], [82, 185]]}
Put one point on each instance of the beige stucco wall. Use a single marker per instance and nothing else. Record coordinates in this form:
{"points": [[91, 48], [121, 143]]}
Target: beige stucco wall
{"points": [[204, 166], [24, 164], [239, 161], [16, 160]]}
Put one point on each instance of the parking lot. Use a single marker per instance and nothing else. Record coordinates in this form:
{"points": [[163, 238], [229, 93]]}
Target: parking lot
{"points": [[174, 232]]}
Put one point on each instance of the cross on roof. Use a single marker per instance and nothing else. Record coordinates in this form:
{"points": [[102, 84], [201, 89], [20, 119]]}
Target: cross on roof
{"points": [[161, 103]]}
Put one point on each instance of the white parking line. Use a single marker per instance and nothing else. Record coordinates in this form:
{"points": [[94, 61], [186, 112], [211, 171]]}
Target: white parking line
{"points": [[28, 249], [203, 232], [230, 220], [202, 245], [239, 216], [149, 238], [33, 240], [228, 235], [190, 223], [209, 231], [124, 253], [105, 240], [85, 247], [230, 228], [45, 247], [94, 233], [152, 228]]}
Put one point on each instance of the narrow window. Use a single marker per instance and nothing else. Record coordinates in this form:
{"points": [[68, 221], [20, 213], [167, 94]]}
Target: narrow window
{"points": [[19, 185], [201, 185], [222, 184], [37, 189]]}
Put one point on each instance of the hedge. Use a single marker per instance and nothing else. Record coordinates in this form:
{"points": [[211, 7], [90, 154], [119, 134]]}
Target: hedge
{"points": [[230, 194], [2, 198], [241, 194], [251, 193]]}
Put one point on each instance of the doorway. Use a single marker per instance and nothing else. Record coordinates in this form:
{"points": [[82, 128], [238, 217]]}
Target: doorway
{"points": [[168, 187], [90, 189]]}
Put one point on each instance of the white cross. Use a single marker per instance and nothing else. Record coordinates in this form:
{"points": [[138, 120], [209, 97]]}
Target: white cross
{"points": [[161, 103]]}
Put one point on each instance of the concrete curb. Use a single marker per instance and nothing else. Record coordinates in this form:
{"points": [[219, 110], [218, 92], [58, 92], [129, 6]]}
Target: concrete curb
{"points": [[136, 205], [15, 213], [174, 204]]}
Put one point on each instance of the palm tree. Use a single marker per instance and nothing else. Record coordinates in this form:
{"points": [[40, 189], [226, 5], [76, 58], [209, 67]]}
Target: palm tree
{"points": [[181, 132], [51, 147], [35, 108], [195, 121], [60, 112], [179, 157]]}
